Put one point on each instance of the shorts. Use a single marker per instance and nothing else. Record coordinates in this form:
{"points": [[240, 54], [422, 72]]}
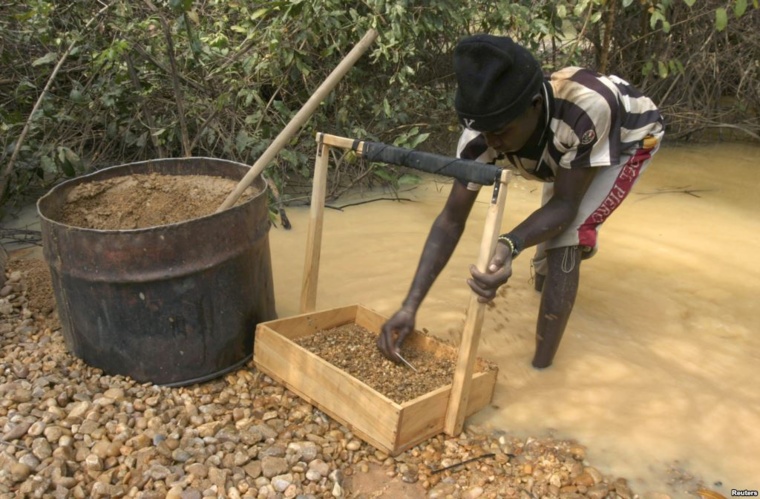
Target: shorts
{"points": [[607, 191]]}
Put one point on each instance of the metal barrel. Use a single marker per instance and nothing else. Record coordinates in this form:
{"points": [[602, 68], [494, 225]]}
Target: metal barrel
{"points": [[172, 304]]}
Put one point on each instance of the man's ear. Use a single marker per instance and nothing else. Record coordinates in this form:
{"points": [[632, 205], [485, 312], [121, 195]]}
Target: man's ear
{"points": [[537, 100]]}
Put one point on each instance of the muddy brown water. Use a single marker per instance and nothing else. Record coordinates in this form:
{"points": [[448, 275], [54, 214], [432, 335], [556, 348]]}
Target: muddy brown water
{"points": [[657, 373]]}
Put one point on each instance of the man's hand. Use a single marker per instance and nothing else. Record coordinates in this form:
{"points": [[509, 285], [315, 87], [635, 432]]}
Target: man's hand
{"points": [[498, 272], [395, 332]]}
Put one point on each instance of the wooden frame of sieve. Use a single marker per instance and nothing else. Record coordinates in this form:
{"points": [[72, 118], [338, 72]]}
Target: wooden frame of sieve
{"points": [[379, 421]]}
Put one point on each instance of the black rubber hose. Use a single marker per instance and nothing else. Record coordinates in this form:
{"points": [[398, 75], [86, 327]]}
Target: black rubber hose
{"points": [[463, 169]]}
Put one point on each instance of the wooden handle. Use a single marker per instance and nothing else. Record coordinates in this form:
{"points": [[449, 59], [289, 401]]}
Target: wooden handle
{"points": [[314, 236], [300, 118], [468, 349]]}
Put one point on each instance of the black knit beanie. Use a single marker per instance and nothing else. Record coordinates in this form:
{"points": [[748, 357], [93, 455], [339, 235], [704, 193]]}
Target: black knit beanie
{"points": [[496, 80]]}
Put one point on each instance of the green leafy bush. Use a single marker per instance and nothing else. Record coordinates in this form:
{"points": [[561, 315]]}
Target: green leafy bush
{"points": [[222, 78]]}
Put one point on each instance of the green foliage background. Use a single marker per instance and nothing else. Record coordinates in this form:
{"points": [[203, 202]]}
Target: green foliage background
{"points": [[148, 79]]}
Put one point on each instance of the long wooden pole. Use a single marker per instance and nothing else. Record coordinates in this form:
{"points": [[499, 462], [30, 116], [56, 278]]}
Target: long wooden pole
{"points": [[468, 349], [300, 118], [314, 237]]}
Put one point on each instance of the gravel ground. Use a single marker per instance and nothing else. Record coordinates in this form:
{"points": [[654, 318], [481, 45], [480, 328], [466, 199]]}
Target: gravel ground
{"points": [[69, 430]]}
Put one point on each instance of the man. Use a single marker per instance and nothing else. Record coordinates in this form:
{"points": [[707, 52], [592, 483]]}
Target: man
{"points": [[586, 136]]}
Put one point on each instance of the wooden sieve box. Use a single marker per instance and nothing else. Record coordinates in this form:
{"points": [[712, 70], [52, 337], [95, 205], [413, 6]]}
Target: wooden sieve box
{"points": [[378, 420]]}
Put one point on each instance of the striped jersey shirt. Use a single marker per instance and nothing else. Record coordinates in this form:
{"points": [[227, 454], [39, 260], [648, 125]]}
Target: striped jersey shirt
{"points": [[591, 121]]}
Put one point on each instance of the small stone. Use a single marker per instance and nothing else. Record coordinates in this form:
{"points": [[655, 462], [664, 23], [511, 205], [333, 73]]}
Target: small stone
{"points": [[337, 490], [228, 434], [473, 493], [191, 494], [158, 472], [209, 429], [37, 428], [6, 308], [282, 482], [585, 479], [597, 491], [265, 430], [100, 448], [181, 455], [53, 434], [62, 399], [19, 471], [595, 474], [100, 490], [555, 480], [17, 431], [272, 466], [253, 469], [291, 491], [218, 477], [354, 445], [29, 460], [441, 490], [251, 437], [198, 469], [93, 463], [115, 394], [78, 410], [320, 467], [337, 476], [309, 451], [275, 450], [88, 427], [140, 441], [269, 415], [41, 448], [409, 476]]}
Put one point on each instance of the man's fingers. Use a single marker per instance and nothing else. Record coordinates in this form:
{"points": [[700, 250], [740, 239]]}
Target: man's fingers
{"points": [[385, 343], [402, 334], [484, 293], [495, 264], [390, 340], [488, 280]]}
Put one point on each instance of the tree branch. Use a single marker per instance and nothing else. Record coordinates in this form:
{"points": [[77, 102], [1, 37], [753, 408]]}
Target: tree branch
{"points": [[17, 149], [186, 148]]}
